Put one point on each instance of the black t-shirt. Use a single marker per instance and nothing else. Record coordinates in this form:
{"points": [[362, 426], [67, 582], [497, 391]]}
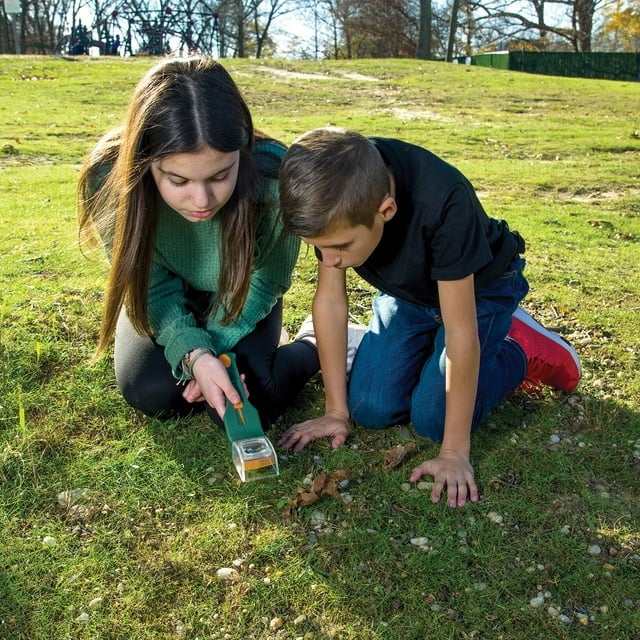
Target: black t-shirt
{"points": [[440, 231]]}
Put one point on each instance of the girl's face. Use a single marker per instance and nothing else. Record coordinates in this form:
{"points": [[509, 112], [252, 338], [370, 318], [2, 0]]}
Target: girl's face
{"points": [[198, 184]]}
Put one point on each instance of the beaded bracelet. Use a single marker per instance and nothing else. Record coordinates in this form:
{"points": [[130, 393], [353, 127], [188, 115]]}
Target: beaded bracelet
{"points": [[191, 358]]}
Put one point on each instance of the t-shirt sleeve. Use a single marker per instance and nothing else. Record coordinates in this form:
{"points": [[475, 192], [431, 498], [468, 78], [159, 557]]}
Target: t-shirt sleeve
{"points": [[459, 245]]}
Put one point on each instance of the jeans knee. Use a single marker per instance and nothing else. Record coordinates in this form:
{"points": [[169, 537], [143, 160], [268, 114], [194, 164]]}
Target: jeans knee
{"points": [[369, 415], [428, 422]]}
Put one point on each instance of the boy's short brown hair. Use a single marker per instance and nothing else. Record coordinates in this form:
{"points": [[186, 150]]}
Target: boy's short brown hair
{"points": [[331, 177]]}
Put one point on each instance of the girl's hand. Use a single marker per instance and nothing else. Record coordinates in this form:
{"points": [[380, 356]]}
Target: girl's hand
{"points": [[191, 392], [212, 384], [335, 426], [452, 471]]}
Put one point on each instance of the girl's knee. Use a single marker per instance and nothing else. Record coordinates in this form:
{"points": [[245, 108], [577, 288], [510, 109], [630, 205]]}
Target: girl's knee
{"points": [[149, 399]]}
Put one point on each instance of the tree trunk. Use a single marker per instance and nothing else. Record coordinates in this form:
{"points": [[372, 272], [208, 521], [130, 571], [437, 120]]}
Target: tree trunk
{"points": [[453, 27], [424, 31]]}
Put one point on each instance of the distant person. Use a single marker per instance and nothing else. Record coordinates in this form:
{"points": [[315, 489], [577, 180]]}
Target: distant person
{"points": [[115, 46], [185, 197], [447, 340], [77, 49]]}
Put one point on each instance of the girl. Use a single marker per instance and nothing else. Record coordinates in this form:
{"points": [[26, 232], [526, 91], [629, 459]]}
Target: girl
{"points": [[185, 198]]}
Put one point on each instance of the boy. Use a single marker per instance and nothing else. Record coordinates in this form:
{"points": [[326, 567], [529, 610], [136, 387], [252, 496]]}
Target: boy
{"points": [[447, 340]]}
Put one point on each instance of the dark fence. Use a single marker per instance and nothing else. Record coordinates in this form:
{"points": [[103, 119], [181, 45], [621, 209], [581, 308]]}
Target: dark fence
{"points": [[608, 66]]}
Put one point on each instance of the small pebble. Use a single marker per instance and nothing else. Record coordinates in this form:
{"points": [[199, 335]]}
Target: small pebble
{"points": [[595, 550], [318, 518], [83, 617], [48, 541], [554, 439], [96, 603], [276, 623], [495, 517], [228, 574], [419, 542], [70, 497], [301, 619], [583, 618], [537, 601]]}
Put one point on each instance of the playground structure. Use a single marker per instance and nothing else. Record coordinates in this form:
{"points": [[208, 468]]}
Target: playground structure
{"points": [[154, 32]]}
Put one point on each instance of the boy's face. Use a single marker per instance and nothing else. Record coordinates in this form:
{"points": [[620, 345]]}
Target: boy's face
{"points": [[347, 246]]}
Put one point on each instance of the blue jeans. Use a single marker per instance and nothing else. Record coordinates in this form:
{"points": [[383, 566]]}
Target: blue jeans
{"points": [[398, 374]]}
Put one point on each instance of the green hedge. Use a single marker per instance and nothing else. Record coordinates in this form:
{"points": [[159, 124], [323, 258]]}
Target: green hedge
{"points": [[609, 66]]}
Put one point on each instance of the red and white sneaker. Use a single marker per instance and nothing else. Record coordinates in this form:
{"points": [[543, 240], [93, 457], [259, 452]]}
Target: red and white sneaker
{"points": [[550, 360]]}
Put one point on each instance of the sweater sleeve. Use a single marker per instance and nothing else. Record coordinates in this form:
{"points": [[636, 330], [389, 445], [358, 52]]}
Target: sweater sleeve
{"points": [[174, 324]]}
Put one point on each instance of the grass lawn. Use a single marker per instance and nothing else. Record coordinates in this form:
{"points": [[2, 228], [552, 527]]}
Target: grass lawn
{"points": [[115, 526]]}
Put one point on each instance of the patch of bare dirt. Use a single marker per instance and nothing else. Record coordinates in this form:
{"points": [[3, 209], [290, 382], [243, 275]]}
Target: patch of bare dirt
{"points": [[419, 114], [297, 75]]}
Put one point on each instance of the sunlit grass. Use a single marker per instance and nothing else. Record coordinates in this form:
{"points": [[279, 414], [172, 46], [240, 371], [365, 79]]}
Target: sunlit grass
{"points": [[157, 507]]}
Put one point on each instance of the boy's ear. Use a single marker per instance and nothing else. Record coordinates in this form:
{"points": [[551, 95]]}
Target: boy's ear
{"points": [[388, 208]]}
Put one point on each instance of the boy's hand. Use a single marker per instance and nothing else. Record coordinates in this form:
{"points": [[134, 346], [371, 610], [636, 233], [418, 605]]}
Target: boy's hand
{"points": [[453, 471], [334, 426]]}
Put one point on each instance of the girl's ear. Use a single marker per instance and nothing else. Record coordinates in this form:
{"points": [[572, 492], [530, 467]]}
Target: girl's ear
{"points": [[388, 208]]}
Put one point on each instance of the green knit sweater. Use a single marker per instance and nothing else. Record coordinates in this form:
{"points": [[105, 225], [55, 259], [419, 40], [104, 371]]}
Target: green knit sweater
{"points": [[186, 266]]}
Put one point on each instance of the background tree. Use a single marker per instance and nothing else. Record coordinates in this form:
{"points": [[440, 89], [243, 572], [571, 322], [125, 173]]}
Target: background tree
{"points": [[424, 31], [342, 28], [546, 24], [622, 25]]}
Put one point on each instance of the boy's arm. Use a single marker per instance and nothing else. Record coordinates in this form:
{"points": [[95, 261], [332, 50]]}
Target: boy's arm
{"points": [[452, 468], [330, 312]]}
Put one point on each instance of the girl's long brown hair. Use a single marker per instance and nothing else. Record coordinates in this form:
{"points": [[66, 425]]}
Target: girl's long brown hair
{"points": [[180, 106]]}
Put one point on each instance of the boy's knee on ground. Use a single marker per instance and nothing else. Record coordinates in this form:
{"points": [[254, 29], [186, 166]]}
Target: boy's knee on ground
{"points": [[428, 422], [371, 416]]}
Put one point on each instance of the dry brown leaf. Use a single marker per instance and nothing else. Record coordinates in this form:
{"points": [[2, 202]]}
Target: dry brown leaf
{"points": [[394, 456], [323, 484]]}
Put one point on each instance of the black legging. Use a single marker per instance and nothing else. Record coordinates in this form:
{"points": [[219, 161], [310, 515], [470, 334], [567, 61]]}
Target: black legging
{"points": [[274, 375]]}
